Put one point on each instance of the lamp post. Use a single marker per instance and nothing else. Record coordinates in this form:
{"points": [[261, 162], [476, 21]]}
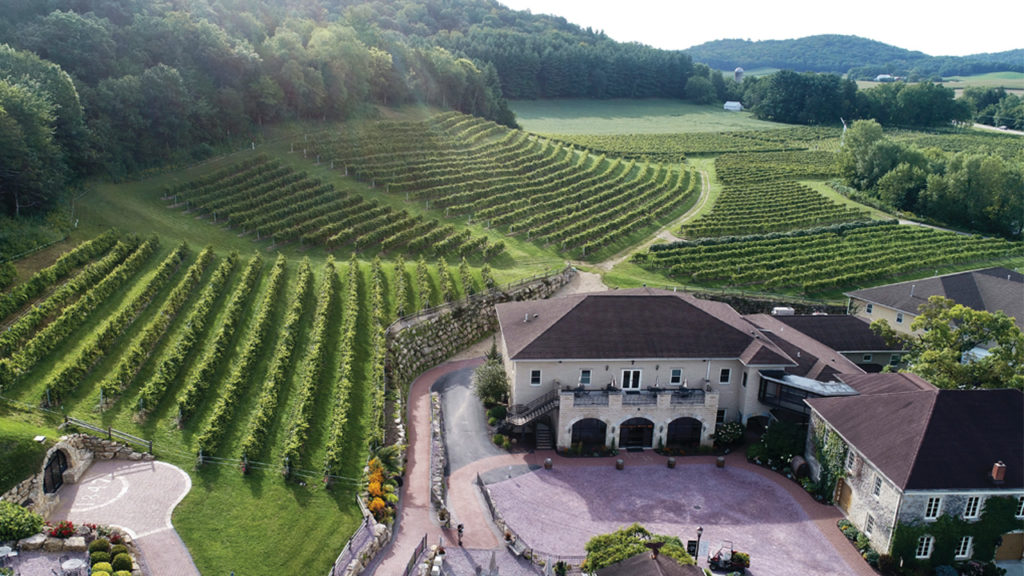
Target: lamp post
{"points": [[700, 531]]}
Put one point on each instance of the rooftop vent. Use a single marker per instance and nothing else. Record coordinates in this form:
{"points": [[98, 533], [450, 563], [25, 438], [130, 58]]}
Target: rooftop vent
{"points": [[783, 311]]}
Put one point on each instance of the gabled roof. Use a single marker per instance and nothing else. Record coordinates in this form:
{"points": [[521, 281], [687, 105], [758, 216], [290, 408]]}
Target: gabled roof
{"points": [[886, 382], [813, 359], [934, 439], [638, 323], [839, 331], [643, 565], [989, 289]]}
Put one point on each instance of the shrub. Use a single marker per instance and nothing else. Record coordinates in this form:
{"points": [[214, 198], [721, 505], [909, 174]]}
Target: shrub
{"points": [[498, 412], [491, 421], [102, 567], [119, 549], [945, 570], [123, 573], [871, 557], [116, 538], [99, 544], [863, 542], [122, 562], [851, 533], [499, 439], [888, 566], [100, 573], [17, 522], [99, 557], [741, 558], [728, 433]]}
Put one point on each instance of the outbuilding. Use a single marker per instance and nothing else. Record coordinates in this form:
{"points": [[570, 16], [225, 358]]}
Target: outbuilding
{"points": [[733, 106]]}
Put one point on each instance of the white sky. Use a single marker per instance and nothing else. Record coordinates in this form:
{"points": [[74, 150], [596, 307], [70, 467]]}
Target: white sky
{"points": [[942, 28]]}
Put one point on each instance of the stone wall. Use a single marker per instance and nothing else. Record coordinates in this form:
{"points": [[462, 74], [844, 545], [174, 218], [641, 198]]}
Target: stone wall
{"points": [[80, 450], [418, 343]]}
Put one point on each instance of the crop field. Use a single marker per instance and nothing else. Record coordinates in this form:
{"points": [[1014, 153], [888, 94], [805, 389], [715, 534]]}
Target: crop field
{"points": [[255, 359], [578, 203]]}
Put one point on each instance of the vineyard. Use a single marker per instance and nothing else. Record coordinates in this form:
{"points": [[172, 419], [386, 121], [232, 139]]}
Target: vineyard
{"points": [[272, 364], [824, 259], [548, 193], [262, 198]]}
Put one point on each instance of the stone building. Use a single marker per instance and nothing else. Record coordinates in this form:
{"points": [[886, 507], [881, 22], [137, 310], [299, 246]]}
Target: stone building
{"points": [[644, 368], [914, 453]]}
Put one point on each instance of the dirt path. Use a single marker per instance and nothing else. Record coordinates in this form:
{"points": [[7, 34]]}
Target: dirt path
{"points": [[667, 232]]}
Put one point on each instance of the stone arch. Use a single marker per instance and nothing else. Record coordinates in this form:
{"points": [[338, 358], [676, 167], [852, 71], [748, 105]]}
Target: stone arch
{"points": [[57, 463], [590, 432], [636, 432], [684, 432]]}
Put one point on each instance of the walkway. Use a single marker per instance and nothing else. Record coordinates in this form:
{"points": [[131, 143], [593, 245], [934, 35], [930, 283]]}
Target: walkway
{"points": [[138, 497]]}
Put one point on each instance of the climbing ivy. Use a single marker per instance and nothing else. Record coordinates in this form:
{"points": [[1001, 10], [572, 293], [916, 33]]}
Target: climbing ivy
{"points": [[830, 451], [997, 518]]}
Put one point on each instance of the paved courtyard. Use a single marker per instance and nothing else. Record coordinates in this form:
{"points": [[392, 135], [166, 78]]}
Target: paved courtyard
{"points": [[557, 511]]}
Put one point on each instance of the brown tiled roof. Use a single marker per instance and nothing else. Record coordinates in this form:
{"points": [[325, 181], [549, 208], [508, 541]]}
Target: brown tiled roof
{"points": [[813, 359], [886, 382], [839, 332], [990, 289], [620, 324], [643, 565], [934, 439]]}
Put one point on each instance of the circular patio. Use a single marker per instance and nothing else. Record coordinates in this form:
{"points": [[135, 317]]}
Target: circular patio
{"points": [[557, 511]]}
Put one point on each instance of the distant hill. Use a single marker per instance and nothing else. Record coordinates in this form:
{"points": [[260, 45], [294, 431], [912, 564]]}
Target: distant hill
{"points": [[840, 54]]}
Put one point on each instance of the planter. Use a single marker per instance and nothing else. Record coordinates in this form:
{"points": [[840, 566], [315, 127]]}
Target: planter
{"points": [[619, 464], [720, 462], [548, 464], [671, 461]]}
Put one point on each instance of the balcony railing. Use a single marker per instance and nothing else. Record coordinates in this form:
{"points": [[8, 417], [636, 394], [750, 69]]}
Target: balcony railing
{"points": [[647, 397]]}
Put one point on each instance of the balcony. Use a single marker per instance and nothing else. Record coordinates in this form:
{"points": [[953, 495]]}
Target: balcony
{"points": [[582, 397]]}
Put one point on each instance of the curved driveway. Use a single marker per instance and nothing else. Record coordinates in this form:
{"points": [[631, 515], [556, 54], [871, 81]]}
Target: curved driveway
{"points": [[138, 497]]}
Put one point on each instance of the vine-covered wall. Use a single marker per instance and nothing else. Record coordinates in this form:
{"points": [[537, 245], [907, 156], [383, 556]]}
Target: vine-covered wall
{"points": [[997, 518]]}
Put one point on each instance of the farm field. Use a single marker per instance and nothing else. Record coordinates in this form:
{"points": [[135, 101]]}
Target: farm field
{"points": [[652, 116]]}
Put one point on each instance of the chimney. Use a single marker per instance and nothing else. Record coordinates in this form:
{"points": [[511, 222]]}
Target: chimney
{"points": [[998, 472], [526, 318]]}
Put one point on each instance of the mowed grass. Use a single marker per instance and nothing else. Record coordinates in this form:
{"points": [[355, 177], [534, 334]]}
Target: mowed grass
{"points": [[652, 116]]}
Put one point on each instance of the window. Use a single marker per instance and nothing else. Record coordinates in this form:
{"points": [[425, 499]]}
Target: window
{"points": [[972, 507], [851, 459], [725, 375], [867, 358], [869, 525], [877, 488], [1020, 507], [931, 511], [869, 308], [924, 547], [677, 376], [899, 317], [720, 418], [585, 377], [894, 360], [630, 379], [744, 379], [534, 377], [963, 548]]}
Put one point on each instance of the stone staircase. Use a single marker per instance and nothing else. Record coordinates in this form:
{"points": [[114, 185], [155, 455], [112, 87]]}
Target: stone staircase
{"points": [[519, 414]]}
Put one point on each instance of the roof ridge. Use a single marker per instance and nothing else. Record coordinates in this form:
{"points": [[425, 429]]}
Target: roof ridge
{"points": [[920, 439]]}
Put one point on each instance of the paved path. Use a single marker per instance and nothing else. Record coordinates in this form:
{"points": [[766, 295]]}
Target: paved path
{"points": [[138, 497]]}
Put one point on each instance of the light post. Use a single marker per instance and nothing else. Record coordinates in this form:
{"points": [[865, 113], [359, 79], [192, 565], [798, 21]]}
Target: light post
{"points": [[700, 531]]}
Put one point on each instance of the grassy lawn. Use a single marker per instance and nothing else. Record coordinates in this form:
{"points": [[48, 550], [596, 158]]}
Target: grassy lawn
{"points": [[18, 452], [653, 116]]}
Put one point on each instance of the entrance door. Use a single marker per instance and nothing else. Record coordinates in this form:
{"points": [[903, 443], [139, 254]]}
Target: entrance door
{"points": [[1012, 547], [636, 433], [53, 474], [845, 494]]}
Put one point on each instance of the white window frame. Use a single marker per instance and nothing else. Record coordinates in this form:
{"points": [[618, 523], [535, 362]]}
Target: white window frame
{"points": [[866, 358], [535, 381], [924, 547], [876, 489], [963, 548], [634, 379], [869, 525], [675, 376], [585, 381], [851, 460], [899, 317], [933, 507], [1020, 506], [725, 376], [869, 308], [972, 508], [721, 416]]}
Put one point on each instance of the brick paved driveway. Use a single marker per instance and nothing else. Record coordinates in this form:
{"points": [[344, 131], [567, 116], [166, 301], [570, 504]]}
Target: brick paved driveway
{"points": [[557, 511]]}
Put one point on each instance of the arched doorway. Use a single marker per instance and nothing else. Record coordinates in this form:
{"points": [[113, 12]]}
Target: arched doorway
{"points": [[636, 433], [590, 433], [53, 473], [683, 433]]}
